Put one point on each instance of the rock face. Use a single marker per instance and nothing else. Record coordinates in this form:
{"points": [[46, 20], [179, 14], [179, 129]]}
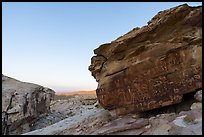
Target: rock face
{"points": [[152, 66], [22, 104]]}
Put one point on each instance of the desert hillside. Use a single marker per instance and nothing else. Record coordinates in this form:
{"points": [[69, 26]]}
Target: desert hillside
{"points": [[75, 93]]}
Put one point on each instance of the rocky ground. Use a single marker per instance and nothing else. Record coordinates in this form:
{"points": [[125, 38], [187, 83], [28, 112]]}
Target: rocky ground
{"points": [[82, 115], [69, 114]]}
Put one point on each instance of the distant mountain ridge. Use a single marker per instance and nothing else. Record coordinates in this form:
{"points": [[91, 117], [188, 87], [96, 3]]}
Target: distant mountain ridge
{"points": [[75, 92]]}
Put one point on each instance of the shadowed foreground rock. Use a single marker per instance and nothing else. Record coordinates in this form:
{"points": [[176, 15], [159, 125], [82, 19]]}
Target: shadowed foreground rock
{"points": [[152, 66], [22, 104]]}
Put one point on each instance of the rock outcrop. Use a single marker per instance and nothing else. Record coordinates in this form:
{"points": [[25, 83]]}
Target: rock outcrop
{"points": [[22, 104], [152, 66]]}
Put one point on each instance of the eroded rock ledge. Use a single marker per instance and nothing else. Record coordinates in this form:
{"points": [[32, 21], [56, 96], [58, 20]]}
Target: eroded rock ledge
{"points": [[152, 66]]}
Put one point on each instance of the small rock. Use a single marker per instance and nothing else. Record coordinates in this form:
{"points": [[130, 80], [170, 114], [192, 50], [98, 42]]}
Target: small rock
{"points": [[158, 115], [97, 105], [151, 118], [15, 109], [196, 106], [198, 96], [135, 116], [179, 121], [148, 126]]}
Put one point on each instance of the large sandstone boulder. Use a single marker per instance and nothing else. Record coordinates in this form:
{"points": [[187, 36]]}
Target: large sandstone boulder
{"points": [[22, 104], [152, 66]]}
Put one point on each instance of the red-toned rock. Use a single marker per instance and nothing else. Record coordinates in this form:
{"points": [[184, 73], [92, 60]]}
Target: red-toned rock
{"points": [[152, 66]]}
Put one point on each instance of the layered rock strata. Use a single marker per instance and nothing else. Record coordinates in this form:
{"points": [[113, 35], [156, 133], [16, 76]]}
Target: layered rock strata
{"points": [[152, 66]]}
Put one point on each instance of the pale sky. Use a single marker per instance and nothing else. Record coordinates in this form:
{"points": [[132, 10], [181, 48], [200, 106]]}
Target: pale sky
{"points": [[51, 43]]}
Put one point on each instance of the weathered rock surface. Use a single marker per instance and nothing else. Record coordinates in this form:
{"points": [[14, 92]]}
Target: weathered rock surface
{"points": [[22, 104], [152, 66]]}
